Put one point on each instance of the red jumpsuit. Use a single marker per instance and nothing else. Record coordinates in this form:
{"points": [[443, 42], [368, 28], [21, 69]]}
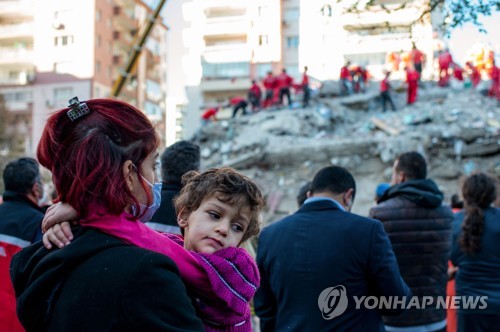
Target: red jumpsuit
{"points": [[458, 73], [270, 85], [412, 80], [494, 90], [475, 76], [444, 60]]}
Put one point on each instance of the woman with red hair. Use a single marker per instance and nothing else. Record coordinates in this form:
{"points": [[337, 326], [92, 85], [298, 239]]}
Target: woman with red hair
{"points": [[103, 159]]}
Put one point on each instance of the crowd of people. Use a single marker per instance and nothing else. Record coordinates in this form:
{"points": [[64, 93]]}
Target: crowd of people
{"points": [[133, 243], [274, 92]]}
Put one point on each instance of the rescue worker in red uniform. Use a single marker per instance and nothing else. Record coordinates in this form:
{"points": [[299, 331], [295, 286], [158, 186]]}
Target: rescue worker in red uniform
{"points": [[417, 58], [284, 83], [305, 88], [444, 60], [254, 96], [412, 81], [474, 75], [270, 85], [345, 79]]}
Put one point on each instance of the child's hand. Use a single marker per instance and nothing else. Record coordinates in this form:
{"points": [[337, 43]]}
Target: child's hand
{"points": [[57, 214], [59, 234]]}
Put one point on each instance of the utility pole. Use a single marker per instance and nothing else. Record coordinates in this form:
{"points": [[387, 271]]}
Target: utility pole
{"points": [[136, 50]]}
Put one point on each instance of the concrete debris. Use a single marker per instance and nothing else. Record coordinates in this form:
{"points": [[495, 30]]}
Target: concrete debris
{"points": [[457, 129]]}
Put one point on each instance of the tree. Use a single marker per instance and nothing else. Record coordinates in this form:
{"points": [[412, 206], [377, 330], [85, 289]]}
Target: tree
{"points": [[454, 12]]}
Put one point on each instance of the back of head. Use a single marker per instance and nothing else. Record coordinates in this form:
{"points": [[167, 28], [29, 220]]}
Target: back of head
{"points": [[178, 159], [20, 175], [302, 194], [228, 186], [413, 165], [87, 155], [333, 179], [479, 193]]}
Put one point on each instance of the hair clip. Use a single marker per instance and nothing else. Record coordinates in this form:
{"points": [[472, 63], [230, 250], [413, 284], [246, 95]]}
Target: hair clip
{"points": [[77, 110]]}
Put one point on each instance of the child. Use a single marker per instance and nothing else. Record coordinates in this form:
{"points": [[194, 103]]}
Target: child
{"points": [[217, 211]]}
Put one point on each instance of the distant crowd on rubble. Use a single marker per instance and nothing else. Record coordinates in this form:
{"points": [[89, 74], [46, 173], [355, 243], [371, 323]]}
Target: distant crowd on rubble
{"points": [[278, 91], [141, 242]]}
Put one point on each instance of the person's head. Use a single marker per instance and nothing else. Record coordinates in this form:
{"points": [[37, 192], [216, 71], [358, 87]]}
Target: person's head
{"points": [[270, 73], [387, 73], [334, 182], [104, 160], [479, 193], [413, 46], [254, 82], [456, 203], [305, 69], [178, 159], [409, 166], [23, 176], [303, 192], [283, 70], [218, 208]]}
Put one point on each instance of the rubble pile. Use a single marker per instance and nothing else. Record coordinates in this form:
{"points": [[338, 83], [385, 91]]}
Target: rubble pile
{"points": [[458, 131]]}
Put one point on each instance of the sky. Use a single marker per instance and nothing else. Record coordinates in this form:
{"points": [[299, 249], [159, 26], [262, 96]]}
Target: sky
{"points": [[463, 38]]}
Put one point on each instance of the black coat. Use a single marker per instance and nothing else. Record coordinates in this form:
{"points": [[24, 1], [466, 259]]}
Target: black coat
{"points": [[318, 247], [165, 219], [419, 227], [99, 283], [20, 217]]}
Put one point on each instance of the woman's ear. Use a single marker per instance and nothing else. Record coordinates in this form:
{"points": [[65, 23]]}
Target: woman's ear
{"points": [[129, 174], [182, 218]]}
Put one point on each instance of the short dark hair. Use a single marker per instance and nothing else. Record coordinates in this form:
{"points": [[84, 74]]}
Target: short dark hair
{"points": [[302, 194], [178, 159], [226, 185], [21, 174], [333, 179], [413, 164]]}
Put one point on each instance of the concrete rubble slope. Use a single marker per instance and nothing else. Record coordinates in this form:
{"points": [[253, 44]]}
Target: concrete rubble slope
{"points": [[458, 130]]}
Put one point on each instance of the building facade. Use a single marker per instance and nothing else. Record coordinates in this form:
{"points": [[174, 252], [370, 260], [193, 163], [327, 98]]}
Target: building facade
{"points": [[53, 50]]}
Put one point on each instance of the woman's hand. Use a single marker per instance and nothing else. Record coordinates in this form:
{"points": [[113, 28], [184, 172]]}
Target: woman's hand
{"points": [[59, 234], [57, 214]]}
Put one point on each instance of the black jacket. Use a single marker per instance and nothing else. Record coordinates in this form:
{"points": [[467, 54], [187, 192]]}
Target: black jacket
{"points": [[319, 247], [419, 227], [98, 283], [20, 217]]}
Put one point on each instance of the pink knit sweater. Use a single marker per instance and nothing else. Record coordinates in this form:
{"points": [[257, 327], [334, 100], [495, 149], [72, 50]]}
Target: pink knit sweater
{"points": [[223, 283]]}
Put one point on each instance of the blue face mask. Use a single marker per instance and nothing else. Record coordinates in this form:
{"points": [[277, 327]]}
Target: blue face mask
{"points": [[149, 211]]}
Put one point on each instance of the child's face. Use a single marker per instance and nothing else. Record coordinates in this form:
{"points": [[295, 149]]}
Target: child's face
{"points": [[214, 225]]}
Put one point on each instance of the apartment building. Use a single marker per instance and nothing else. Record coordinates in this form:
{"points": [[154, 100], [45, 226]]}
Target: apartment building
{"points": [[227, 43], [53, 50]]}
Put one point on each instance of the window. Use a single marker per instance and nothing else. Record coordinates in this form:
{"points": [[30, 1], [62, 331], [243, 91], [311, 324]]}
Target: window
{"points": [[226, 70], [152, 109], [326, 10], [98, 67], [263, 40], [291, 14], [109, 72], [64, 93], [98, 41], [153, 90], [292, 41], [63, 40], [13, 75], [367, 58], [97, 92], [98, 15]]}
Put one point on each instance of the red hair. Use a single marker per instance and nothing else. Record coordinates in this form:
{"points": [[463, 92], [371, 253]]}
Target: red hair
{"points": [[86, 156]]}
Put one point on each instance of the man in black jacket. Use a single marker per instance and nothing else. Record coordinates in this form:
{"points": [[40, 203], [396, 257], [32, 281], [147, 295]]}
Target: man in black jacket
{"points": [[316, 262], [20, 225], [177, 159], [419, 227]]}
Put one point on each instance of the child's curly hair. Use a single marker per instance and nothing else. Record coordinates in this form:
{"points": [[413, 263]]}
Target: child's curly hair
{"points": [[228, 186]]}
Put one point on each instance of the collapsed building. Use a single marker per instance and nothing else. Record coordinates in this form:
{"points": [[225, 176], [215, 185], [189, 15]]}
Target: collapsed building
{"points": [[458, 130]]}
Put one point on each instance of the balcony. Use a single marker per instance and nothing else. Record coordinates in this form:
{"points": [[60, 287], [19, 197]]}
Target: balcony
{"points": [[356, 44], [123, 19], [11, 55], [225, 26], [17, 8], [22, 30], [123, 39], [227, 53], [225, 84]]}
